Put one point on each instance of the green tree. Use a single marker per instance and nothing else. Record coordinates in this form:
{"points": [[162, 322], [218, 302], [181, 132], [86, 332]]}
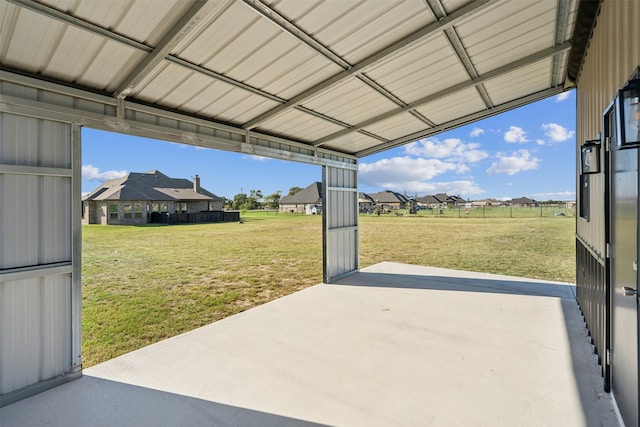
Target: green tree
{"points": [[294, 190], [239, 200], [273, 200]]}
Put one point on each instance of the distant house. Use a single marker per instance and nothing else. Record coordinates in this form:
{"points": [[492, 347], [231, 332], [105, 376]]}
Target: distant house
{"points": [[388, 200], [136, 197], [523, 202], [365, 203], [440, 201], [307, 201], [430, 202], [486, 202], [455, 201]]}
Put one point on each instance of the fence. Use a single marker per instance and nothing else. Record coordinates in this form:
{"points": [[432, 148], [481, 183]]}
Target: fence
{"points": [[491, 212], [194, 218]]}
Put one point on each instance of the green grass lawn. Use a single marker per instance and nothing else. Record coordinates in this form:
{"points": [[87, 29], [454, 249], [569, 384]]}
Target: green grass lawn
{"points": [[144, 284]]}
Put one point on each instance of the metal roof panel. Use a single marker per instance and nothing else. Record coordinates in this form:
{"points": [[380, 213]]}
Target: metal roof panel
{"points": [[397, 126], [300, 126], [351, 102], [456, 105]]}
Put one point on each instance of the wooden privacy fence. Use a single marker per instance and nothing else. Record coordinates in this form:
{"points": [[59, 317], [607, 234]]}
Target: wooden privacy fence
{"points": [[195, 217]]}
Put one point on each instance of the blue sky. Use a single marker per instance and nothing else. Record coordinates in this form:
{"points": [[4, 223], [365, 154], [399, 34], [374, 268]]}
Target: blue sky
{"points": [[529, 152]]}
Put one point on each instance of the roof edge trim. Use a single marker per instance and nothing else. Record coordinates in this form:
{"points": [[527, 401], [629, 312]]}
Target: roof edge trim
{"points": [[586, 17]]}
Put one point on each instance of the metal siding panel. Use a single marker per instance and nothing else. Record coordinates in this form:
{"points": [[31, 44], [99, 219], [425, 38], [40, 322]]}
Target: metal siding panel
{"points": [[19, 140], [56, 326], [56, 220], [614, 52], [22, 142], [19, 210], [54, 145], [20, 314]]}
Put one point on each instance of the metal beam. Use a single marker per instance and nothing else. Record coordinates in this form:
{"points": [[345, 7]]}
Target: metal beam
{"points": [[545, 53], [142, 120], [79, 23], [373, 59], [436, 8], [285, 25], [562, 14], [155, 57], [174, 36], [470, 118]]}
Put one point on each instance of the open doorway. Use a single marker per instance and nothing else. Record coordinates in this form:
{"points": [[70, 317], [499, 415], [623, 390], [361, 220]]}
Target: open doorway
{"points": [[149, 281]]}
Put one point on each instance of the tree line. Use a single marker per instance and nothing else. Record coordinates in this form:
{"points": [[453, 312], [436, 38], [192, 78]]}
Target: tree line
{"points": [[256, 200]]}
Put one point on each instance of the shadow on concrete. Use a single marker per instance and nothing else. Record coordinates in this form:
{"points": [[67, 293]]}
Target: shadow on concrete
{"points": [[596, 404], [95, 401], [516, 286]]}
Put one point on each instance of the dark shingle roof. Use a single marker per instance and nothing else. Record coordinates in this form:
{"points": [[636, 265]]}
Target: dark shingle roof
{"points": [[152, 185], [310, 195], [388, 196]]}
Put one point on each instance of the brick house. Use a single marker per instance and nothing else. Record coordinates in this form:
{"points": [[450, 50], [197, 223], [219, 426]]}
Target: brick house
{"points": [[307, 201], [136, 197]]}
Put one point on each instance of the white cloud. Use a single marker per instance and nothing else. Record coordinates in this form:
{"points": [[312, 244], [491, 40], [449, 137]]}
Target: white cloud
{"points": [[386, 172], [463, 188], [557, 133], [90, 172], [515, 134], [476, 132], [451, 149], [559, 195], [541, 142], [563, 96], [513, 163], [414, 174]]}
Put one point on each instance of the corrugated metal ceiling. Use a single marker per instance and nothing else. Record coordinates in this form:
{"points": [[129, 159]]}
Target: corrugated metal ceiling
{"points": [[353, 76]]}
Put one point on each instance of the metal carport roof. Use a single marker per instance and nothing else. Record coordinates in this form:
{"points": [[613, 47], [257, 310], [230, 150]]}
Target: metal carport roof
{"points": [[352, 77]]}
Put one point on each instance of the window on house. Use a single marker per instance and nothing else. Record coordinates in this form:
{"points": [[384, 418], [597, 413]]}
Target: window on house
{"points": [[212, 206], [155, 207], [137, 210], [113, 211], [585, 201], [128, 210], [164, 207]]}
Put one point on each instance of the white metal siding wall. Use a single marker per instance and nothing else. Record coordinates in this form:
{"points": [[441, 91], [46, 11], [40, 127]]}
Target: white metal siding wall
{"points": [[340, 219], [39, 250], [613, 54]]}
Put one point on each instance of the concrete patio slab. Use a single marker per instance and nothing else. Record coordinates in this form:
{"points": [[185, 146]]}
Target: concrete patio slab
{"points": [[392, 345]]}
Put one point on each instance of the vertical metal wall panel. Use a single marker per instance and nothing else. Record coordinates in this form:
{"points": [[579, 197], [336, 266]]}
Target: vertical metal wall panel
{"points": [[19, 210], [55, 325], [340, 221], [38, 266], [20, 303], [614, 53], [55, 213]]}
